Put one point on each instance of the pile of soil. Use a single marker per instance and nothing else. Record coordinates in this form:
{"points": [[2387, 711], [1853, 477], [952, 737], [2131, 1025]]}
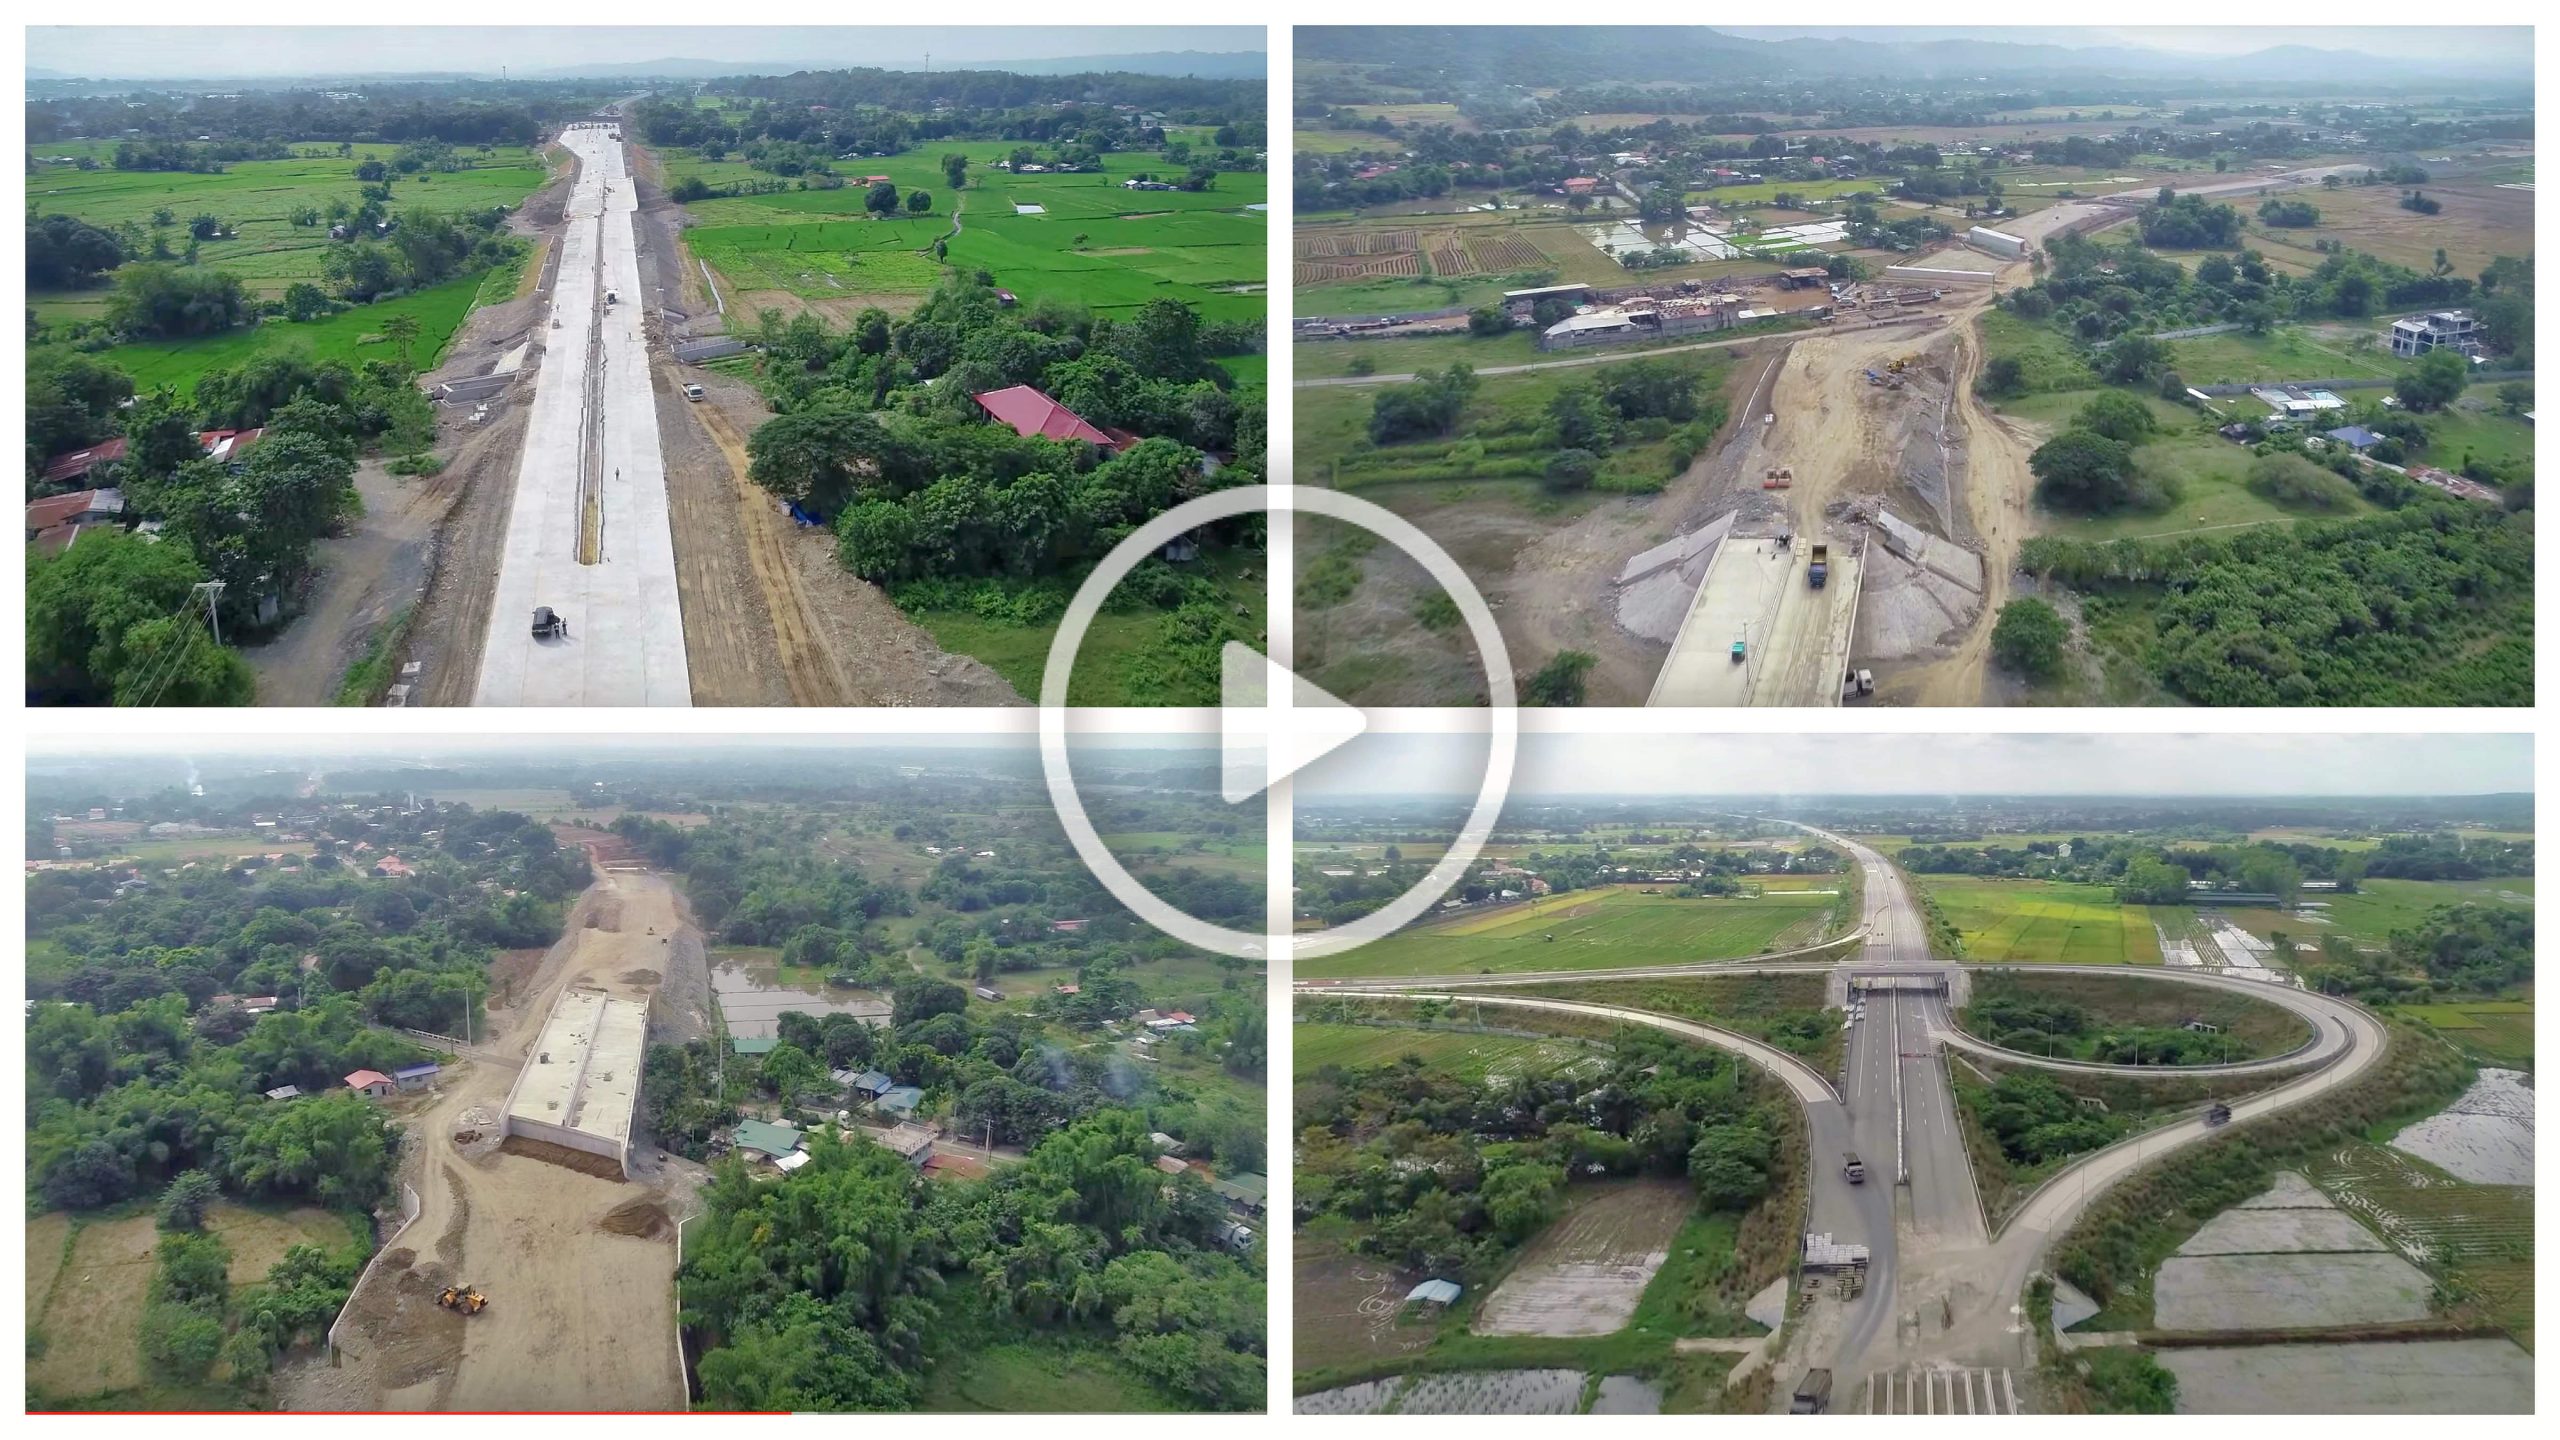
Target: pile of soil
{"points": [[645, 1219]]}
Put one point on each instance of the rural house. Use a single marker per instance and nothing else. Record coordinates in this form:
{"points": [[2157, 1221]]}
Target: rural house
{"points": [[763, 1137], [911, 1143], [415, 1077], [372, 1084], [1035, 416]]}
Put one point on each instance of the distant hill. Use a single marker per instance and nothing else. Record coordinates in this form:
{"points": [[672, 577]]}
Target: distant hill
{"points": [[1636, 53], [1196, 64]]}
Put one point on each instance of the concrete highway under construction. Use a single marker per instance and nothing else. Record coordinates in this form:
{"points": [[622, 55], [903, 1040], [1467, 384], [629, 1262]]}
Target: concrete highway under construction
{"points": [[588, 537], [1937, 1325]]}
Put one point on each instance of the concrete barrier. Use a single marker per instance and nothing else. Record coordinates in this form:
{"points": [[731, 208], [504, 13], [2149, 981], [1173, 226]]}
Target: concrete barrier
{"points": [[409, 1210]]}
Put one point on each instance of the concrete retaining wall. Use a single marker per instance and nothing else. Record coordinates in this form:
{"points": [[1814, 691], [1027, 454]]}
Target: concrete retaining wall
{"points": [[409, 1208], [1936, 275], [567, 1139]]}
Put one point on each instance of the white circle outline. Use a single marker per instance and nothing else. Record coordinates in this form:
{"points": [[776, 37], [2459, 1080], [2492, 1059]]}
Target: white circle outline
{"points": [[1226, 504]]}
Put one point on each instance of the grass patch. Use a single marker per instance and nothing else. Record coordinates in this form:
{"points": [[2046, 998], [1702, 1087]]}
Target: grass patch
{"points": [[1587, 929], [351, 336], [1475, 1056], [1785, 1010], [1502, 436], [370, 677], [1123, 658], [1055, 1375]]}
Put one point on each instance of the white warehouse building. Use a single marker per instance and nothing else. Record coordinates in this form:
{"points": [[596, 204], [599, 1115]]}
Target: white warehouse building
{"points": [[1996, 242]]}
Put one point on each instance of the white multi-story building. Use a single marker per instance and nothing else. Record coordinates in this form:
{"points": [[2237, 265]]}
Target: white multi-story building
{"points": [[2415, 335]]}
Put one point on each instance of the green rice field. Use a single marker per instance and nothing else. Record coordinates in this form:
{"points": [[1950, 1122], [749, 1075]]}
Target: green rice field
{"points": [[2495, 1032], [2044, 922], [1588, 930], [1082, 237]]}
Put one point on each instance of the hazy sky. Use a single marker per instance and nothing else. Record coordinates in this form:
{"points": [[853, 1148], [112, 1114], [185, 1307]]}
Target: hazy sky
{"points": [[343, 748], [2137, 765], [216, 51], [2428, 42]]}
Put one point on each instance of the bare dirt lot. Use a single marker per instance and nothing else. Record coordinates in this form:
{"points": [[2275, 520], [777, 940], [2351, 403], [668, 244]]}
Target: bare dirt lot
{"points": [[1346, 1307], [2425, 1377], [579, 1266], [2479, 222], [1585, 1273]]}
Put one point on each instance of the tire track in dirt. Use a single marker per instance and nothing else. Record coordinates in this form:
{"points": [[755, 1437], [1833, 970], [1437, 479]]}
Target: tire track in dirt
{"points": [[809, 666]]}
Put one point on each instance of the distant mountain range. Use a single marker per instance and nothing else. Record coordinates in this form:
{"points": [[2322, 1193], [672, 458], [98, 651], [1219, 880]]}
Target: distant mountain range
{"points": [[1578, 54], [1195, 64]]}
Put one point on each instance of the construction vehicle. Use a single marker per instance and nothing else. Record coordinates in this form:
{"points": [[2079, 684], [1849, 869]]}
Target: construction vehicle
{"points": [[1853, 1169], [2217, 1113], [1820, 571], [547, 624], [1857, 682], [1780, 477], [462, 1299], [1898, 366], [1813, 1394]]}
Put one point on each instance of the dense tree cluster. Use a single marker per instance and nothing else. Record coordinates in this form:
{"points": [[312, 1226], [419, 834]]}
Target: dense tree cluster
{"points": [[838, 1289], [2035, 1120], [2429, 604], [2096, 292], [1449, 1176], [136, 1075], [879, 432], [2188, 222]]}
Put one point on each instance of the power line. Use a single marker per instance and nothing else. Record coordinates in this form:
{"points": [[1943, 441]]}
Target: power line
{"points": [[157, 661], [210, 589]]}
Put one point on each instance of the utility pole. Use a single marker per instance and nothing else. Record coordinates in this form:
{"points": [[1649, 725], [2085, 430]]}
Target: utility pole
{"points": [[211, 590]]}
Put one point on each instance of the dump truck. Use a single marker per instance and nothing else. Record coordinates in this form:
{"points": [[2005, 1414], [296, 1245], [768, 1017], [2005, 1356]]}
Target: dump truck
{"points": [[1821, 568], [1813, 1394], [1853, 1169], [1857, 683]]}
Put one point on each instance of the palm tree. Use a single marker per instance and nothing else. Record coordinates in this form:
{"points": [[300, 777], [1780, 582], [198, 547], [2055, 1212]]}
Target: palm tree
{"points": [[401, 330]]}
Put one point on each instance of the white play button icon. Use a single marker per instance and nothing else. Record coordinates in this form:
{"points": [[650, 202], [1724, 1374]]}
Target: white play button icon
{"points": [[1258, 744]]}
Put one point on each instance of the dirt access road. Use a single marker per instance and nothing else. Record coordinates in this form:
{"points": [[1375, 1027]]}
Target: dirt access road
{"points": [[579, 1267]]}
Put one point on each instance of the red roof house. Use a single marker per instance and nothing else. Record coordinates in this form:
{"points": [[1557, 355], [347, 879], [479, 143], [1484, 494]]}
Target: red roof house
{"points": [[372, 1084], [1034, 415], [1581, 185], [64, 468], [67, 513]]}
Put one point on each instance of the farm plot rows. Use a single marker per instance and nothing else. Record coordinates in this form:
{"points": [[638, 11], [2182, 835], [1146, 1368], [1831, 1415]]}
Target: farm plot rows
{"points": [[2481, 1234], [1328, 257]]}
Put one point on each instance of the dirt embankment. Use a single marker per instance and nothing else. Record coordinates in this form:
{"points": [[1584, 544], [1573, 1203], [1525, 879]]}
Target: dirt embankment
{"points": [[771, 616], [1549, 575]]}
